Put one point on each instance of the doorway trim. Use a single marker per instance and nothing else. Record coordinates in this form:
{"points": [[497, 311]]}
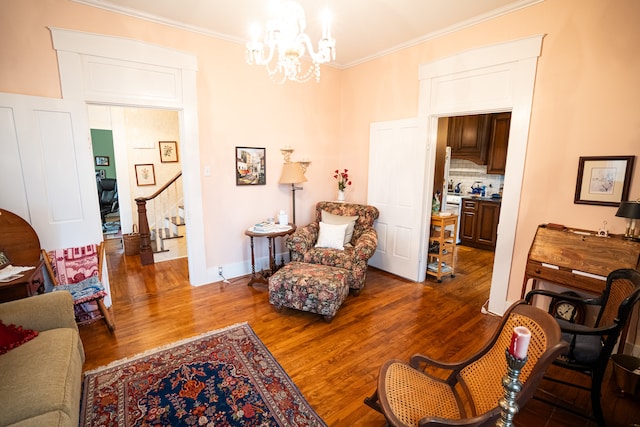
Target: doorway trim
{"points": [[109, 70], [489, 79]]}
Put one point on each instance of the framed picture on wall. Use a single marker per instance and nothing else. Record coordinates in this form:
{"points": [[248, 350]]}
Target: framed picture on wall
{"points": [[145, 175], [251, 166], [168, 151], [102, 160], [603, 180]]}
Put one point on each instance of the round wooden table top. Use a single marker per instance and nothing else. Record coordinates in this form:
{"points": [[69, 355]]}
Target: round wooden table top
{"points": [[277, 231], [18, 240]]}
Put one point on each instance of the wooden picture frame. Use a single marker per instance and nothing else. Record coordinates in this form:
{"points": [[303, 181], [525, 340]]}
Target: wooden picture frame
{"points": [[145, 174], [102, 160], [168, 151], [251, 166], [603, 180]]}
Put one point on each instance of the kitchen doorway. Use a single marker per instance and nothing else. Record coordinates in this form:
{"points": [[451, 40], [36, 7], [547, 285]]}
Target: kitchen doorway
{"points": [[493, 78], [470, 165]]}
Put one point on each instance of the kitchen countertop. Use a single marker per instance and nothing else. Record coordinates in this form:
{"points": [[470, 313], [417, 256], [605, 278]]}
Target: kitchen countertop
{"points": [[477, 197]]}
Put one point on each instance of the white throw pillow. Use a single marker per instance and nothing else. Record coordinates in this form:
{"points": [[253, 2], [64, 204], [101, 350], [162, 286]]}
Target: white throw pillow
{"points": [[331, 236], [334, 219]]}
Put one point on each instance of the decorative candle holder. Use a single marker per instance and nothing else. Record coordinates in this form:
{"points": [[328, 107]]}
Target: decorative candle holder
{"points": [[304, 164], [286, 152], [512, 387]]}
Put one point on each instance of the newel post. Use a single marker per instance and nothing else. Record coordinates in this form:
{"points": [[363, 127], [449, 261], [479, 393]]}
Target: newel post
{"points": [[146, 252]]}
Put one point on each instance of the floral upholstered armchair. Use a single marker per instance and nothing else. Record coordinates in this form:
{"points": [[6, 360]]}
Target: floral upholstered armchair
{"points": [[350, 251]]}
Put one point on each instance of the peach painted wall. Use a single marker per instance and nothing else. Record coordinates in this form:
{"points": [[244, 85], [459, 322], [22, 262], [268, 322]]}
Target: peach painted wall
{"points": [[585, 103], [238, 105]]}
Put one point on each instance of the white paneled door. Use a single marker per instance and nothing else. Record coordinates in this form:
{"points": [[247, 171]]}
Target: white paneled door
{"points": [[51, 182], [397, 182]]}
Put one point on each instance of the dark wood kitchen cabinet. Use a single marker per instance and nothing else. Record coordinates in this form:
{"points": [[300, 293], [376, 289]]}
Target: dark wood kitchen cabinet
{"points": [[498, 143], [479, 223], [468, 137], [468, 220]]}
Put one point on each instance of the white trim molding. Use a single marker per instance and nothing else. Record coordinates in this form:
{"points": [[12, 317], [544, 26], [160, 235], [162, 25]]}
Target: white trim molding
{"points": [[93, 68], [494, 78]]}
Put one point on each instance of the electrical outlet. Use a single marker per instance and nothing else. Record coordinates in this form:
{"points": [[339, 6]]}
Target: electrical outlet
{"points": [[220, 271]]}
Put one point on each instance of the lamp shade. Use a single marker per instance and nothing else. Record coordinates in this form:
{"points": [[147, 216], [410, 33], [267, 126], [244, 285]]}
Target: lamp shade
{"points": [[629, 210], [292, 173]]}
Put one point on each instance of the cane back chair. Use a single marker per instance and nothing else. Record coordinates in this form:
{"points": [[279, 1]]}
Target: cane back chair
{"points": [[413, 394], [590, 347]]}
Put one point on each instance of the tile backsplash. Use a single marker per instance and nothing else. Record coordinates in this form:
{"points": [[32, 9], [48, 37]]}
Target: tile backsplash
{"points": [[466, 172]]}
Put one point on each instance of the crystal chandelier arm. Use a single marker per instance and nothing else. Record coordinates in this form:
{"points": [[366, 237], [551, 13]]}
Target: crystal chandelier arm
{"points": [[326, 49]]}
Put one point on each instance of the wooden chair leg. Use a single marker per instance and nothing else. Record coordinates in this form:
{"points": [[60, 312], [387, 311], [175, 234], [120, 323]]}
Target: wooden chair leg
{"points": [[372, 401], [106, 314]]}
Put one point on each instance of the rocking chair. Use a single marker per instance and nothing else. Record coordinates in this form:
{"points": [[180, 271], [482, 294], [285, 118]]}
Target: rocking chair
{"points": [[411, 394]]}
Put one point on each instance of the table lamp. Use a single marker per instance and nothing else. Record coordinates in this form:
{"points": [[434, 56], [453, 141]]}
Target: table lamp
{"points": [[631, 211]]}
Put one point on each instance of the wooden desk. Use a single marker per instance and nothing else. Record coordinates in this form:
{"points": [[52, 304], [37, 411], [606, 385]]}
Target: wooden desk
{"points": [[273, 266], [20, 243], [31, 283], [577, 259]]}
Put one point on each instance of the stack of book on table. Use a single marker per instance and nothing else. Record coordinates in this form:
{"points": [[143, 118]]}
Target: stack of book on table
{"points": [[264, 227]]}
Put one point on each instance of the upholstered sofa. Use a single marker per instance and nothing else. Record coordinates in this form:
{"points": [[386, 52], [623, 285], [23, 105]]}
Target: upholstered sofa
{"points": [[355, 253], [42, 378]]}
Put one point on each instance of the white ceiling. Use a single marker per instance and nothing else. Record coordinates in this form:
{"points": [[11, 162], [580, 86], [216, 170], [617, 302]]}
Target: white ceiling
{"points": [[363, 29]]}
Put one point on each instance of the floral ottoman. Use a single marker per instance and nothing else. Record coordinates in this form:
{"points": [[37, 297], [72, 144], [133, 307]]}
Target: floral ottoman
{"points": [[316, 288]]}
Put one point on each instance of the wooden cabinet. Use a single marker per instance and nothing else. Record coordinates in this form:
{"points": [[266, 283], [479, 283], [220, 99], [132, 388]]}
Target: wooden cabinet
{"points": [[481, 138], [468, 221], [479, 226], [498, 143], [442, 246], [468, 137]]}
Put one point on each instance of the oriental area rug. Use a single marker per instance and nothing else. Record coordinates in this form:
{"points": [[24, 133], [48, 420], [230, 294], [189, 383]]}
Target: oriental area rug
{"points": [[222, 378]]}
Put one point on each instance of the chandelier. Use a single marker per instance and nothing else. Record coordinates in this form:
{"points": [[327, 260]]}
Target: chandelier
{"points": [[286, 43]]}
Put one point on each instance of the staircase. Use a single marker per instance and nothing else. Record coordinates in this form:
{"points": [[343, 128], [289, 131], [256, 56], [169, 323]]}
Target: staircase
{"points": [[161, 222], [170, 228]]}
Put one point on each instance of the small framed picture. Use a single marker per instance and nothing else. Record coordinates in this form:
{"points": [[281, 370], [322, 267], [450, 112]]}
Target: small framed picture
{"points": [[603, 180], [168, 151], [251, 166], [145, 175], [102, 160]]}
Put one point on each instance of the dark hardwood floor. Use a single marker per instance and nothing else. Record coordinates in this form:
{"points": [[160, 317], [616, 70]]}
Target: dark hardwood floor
{"points": [[335, 365]]}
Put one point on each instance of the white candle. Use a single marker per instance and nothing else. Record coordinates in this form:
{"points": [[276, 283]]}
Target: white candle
{"points": [[326, 25], [520, 342]]}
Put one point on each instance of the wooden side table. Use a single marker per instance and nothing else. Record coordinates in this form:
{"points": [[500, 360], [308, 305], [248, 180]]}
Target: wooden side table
{"points": [[271, 236]]}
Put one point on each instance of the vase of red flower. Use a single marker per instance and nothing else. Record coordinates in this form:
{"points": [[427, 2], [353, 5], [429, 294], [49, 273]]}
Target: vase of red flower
{"points": [[343, 182]]}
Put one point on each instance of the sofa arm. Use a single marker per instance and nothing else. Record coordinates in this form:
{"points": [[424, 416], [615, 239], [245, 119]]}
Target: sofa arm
{"points": [[303, 239], [366, 244], [41, 312]]}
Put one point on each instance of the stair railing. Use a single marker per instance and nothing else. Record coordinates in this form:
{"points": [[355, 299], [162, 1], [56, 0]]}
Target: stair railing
{"points": [[152, 221]]}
